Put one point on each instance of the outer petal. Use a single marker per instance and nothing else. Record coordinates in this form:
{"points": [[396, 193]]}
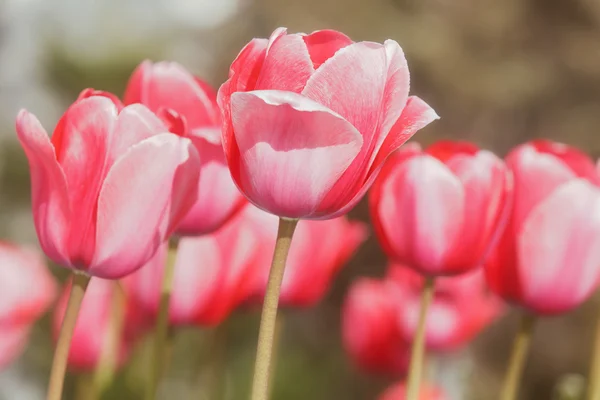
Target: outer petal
{"points": [[420, 213], [27, 287], [163, 168], [559, 249], [322, 45], [579, 162], [82, 139], [287, 65], [218, 197], [50, 201], [292, 150]]}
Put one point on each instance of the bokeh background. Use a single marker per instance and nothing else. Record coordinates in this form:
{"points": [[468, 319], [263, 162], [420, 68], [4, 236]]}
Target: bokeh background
{"points": [[497, 72]]}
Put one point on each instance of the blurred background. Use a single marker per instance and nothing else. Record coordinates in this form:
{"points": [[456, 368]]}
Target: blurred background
{"points": [[497, 72]]}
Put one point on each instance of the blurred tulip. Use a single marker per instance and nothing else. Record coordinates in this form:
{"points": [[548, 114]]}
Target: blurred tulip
{"points": [[462, 307], [213, 274], [309, 120], [319, 250], [438, 211], [370, 330], [548, 259], [26, 291], [94, 323], [189, 106], [398, 392], [109, 186]]}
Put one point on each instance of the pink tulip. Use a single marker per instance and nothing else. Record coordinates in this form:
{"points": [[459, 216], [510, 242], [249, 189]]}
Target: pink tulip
{"points": [[317, 253], [462, 307], [439, 211], [213, 274], [94, 325], [27, 290], [110, 186], [309, 120], [398, 392], [189, 106], [370, 330], [548, 259]]}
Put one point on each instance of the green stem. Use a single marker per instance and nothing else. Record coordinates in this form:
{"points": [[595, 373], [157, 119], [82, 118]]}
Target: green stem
{"points": [[518, 357], [61, 353], [279, 325], [262, 366], [417, 357], [594, 378], [162, 345]]}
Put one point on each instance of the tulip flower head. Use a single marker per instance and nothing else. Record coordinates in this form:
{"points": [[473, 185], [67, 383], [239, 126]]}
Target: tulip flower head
{"points": [[27, 290], [438, 211], [189, 107], [110, 185], [308, 120], [548, 259]]}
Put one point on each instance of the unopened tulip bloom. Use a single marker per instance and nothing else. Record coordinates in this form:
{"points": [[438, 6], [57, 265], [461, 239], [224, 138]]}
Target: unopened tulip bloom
{"points": [[461, 308], [109, 186], [548, 260], [27, 290], [310, 119], [96, 320], [398, 392], [319, 250], [370, 330], [213, 274], [438, 210], [190, 108]]}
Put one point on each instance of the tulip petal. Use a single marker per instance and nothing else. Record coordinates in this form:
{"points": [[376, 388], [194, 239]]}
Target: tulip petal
{"points": [[13, 340], [287, 65], [51, 211], [145, 195], [293, 150], [322, 45], [421, 211], [559, 248]]}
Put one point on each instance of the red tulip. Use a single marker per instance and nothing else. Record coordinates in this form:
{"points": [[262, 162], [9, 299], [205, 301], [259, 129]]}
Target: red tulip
{"points": [[370, 330], [309, 120], [189, 106], [213, 274], [27, 289], [398, 392], [110, 185], [438, 211], [319, 250], [548, 259], [94, 324], [462, 307]]}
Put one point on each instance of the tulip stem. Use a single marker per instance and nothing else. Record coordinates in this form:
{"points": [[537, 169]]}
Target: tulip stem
{"points": [[279, 325], [593, 392], [105, 371], [266, 333], [518, 357], [161, 333], [417, 357], [61, 353]]}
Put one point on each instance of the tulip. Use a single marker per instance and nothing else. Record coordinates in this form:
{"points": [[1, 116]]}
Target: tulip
{"points": [[27, 290], [370, 331], [438, 210], [107, 190], [398, 392], [319, 250], [309, 119], [99, 324], [548, 259], [93, 181], [188, 105], [213, 274], [461, 308]]}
